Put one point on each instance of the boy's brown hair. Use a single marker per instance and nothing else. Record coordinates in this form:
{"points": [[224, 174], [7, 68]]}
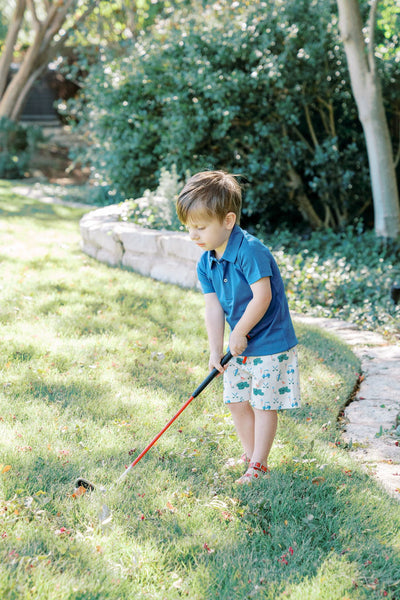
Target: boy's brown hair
{"points": [[214, 193]]}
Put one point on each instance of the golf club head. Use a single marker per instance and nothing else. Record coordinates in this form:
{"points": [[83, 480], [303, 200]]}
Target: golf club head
{"points": [[81, 482]]}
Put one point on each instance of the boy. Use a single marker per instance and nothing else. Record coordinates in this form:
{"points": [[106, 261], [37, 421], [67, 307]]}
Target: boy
{"points": [[242, 284]]}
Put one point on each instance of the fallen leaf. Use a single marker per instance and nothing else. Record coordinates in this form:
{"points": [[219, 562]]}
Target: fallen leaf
{"points": [[318, 480], [227, 515], [6, 468]]}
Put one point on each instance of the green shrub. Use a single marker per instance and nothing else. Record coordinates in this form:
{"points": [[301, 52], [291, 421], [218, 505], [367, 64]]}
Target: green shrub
{"points": [[347, 275], [17, 144], [156, 209], [259, 88]]}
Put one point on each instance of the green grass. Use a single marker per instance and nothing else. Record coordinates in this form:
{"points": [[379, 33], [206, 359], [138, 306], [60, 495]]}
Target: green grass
{"points": [[94, 361]]}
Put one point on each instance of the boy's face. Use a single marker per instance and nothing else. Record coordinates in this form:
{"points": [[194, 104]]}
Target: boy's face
{"points": [[209, 233]]}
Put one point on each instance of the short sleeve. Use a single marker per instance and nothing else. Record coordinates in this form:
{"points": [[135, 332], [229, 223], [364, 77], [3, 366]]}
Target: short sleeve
{"points": [[255, 261], [202, 274]]}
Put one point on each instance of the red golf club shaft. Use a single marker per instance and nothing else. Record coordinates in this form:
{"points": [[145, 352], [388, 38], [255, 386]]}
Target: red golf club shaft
{"points": [[197, 391]]}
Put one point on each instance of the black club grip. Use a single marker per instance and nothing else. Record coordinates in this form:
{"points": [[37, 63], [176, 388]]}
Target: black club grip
{"points": [[212, 374]]}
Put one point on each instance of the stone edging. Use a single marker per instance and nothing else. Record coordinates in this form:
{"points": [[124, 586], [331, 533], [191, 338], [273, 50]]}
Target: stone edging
{"points": [[370, 419], [167, 256]]}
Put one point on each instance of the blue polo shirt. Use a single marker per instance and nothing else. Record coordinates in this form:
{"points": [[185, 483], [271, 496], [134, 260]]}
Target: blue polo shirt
{"points": [[245, 261]]}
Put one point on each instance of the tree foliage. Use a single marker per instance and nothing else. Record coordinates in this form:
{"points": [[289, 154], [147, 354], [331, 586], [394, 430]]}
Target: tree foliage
{"points": [[35, 32], [258, 88], [17, 146]]}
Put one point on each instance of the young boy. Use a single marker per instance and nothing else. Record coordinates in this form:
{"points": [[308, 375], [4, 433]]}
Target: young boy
{"points": [[242, 284]]}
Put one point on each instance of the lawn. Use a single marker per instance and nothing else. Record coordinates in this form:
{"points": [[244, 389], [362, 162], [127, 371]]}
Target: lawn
{"points": [[94, 362]]}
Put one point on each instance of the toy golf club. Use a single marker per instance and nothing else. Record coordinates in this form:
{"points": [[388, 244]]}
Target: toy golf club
{"points": [[85, 485]]}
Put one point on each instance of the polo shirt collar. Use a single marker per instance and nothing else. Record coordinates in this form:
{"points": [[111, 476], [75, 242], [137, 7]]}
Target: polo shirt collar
{"points": [[232, 248]]}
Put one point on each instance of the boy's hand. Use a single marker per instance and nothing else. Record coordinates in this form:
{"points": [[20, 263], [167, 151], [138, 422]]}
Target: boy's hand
{"points": [[215, 361], [237, 343]]}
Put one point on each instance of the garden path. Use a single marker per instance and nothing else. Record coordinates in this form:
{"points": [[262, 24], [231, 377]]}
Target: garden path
{"points": [[371, 418]]}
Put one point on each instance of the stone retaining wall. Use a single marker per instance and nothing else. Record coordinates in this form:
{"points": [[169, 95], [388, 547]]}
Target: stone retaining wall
{"points": [[164, 255]]}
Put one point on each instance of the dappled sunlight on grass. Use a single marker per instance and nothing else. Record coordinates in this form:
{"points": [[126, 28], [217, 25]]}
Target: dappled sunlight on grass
{"points": [[27, 210], [94, 362]]}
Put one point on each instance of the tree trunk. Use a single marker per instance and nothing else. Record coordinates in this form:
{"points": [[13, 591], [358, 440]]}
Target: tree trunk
{"points": [[301, 199], [18, 82], [367, 92], [383, 175], [39, 53], [11, 38], [23, 95]]}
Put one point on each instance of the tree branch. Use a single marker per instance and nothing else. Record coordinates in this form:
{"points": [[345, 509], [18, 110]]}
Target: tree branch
{"points": [[310, 126], [301, 199], [48, 52], [9, 44], [32, 8], [19, 105], [332, 127], [303, 139], [60, 43], [55, 19]]}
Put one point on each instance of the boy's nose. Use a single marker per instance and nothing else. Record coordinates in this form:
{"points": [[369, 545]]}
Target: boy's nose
{"points": [[193, 234]]}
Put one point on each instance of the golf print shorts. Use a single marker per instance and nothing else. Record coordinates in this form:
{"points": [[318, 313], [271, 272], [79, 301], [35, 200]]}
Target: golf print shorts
{"points": [[267, 382]]}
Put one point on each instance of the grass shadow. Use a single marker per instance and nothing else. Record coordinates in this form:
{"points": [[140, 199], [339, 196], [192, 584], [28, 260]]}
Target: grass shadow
{"points": [[14, 206]]}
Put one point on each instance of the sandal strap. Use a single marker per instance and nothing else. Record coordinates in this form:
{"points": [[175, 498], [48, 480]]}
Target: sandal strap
{"points": [[258, 467], [254, 471]]}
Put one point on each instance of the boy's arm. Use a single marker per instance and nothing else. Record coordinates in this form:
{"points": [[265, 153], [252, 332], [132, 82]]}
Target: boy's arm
{"points": [[255, 310], [215, 325]]}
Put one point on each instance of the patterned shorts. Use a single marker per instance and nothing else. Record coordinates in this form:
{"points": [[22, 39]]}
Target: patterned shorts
{"points": [[267, 382]]}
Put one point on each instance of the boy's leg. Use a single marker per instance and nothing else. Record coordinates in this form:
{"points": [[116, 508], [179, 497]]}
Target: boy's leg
{"points": [[243, 419], [265, 426]]}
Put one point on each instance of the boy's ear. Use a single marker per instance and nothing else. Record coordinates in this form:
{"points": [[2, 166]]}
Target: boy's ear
{"points": [[230, 220]]}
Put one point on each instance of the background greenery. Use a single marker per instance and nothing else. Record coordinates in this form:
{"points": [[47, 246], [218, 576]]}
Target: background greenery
{"points": [[347, 274], [18, 143], [94, 361], [260, 89]]}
